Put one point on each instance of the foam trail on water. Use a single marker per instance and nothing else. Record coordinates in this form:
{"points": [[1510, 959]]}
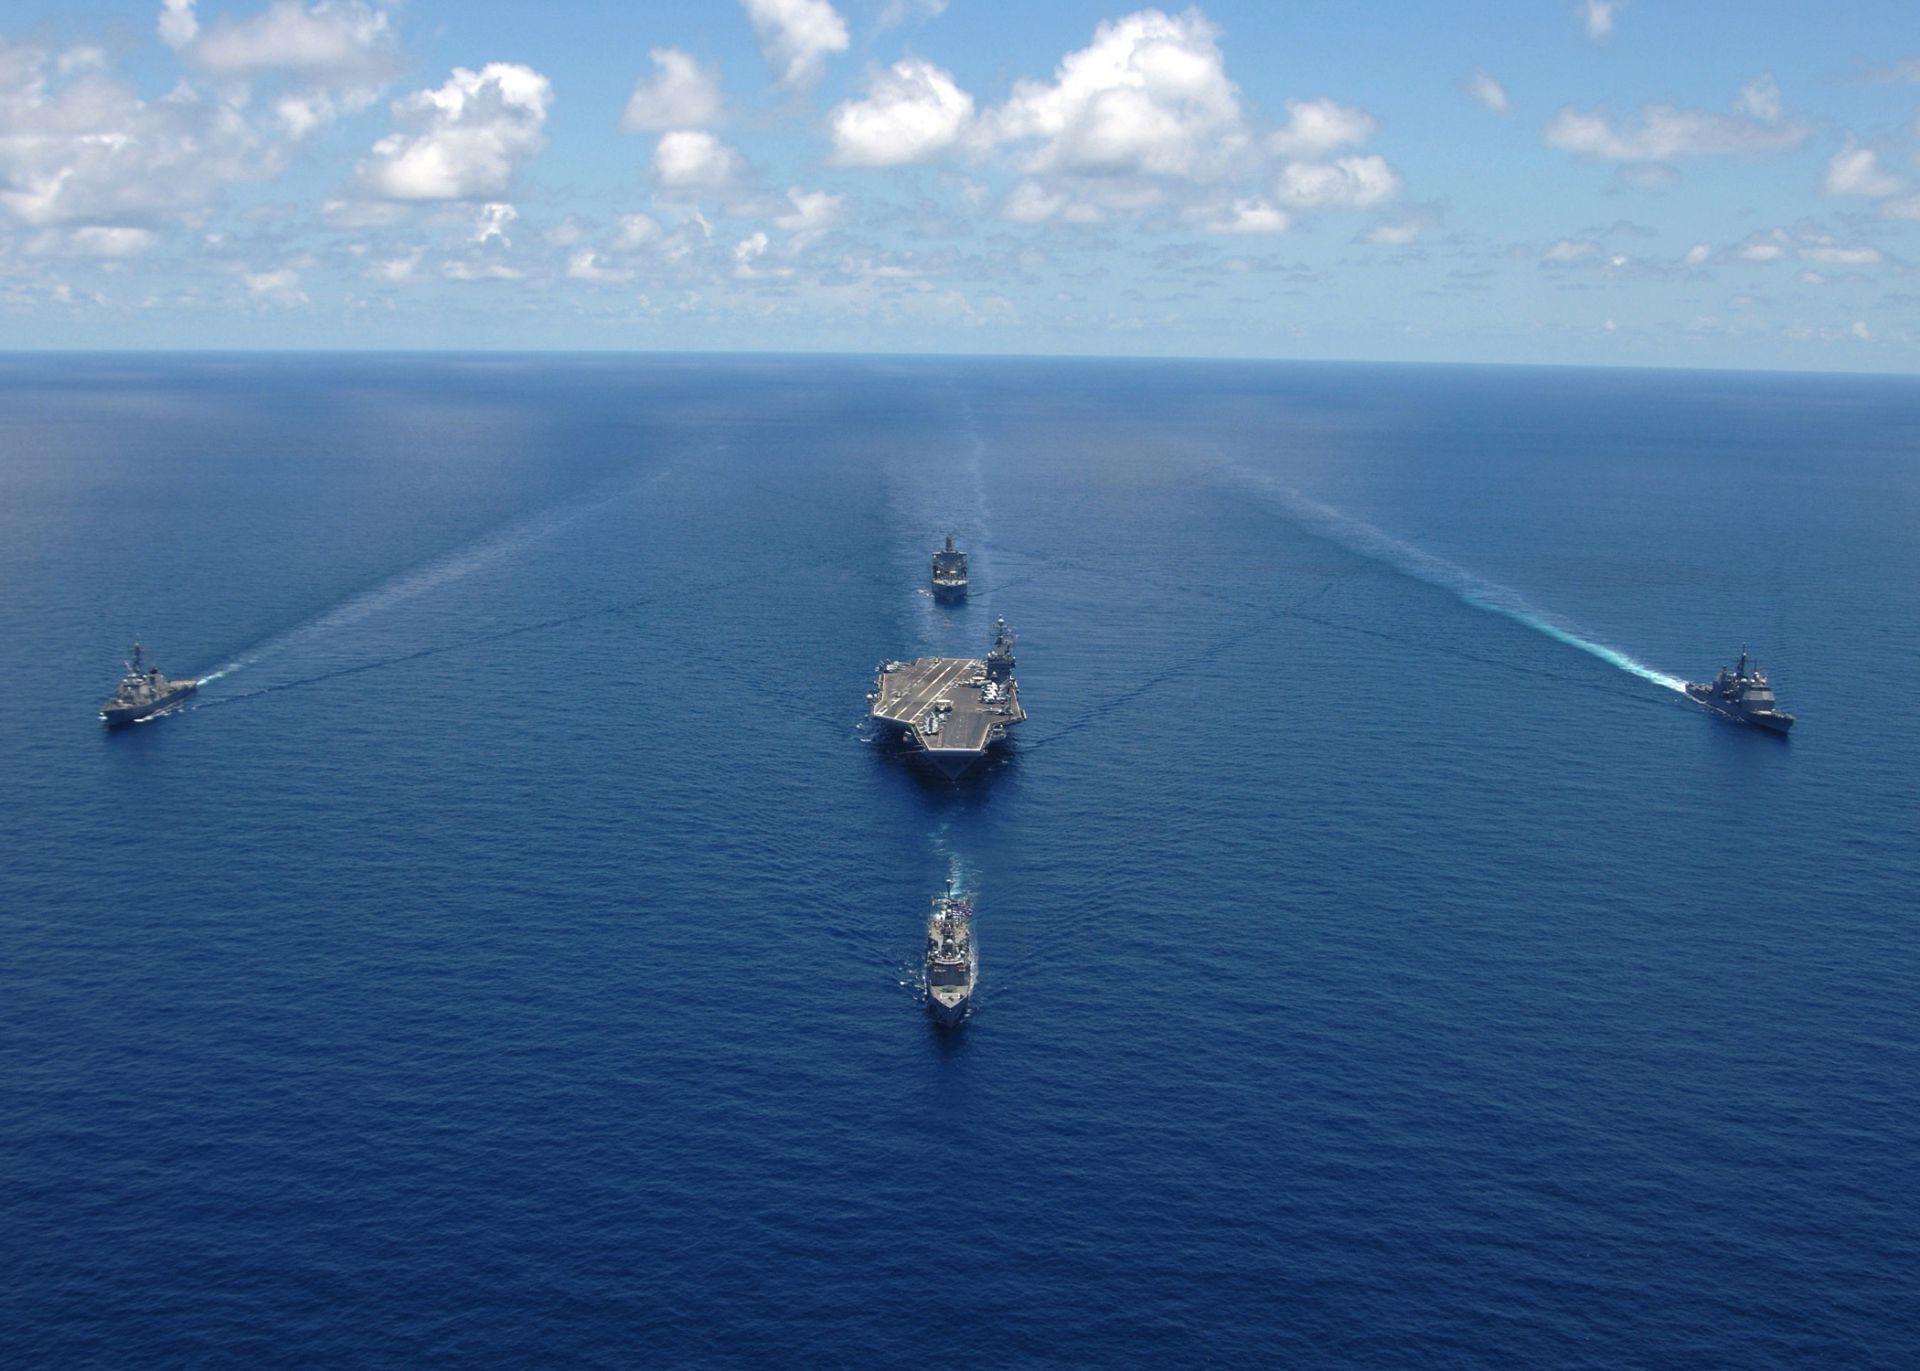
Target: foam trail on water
{"points": [[1364, 540]]}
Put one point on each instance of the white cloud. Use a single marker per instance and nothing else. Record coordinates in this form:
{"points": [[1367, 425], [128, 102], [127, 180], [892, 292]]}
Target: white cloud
{"points": [[1667, 131], [1315, 128], [335, 39], [1907, 208], [1861, 331], [1697, 255], [1856, 171], [1252, 215], [814, 211], [1489, 92], [691, 159], [1349, 183], [77, 146], [394, 269], [480, 271], [1599, 17], [1149, 96], [1770, 246], [635, 230], [177, 25], [1393, 235], [912, 111], [492, 223], [585, 266], [682, 95], [1569, 250], [1833, 255], [1032, 203], [281, 287], [1760, 98], [473, 133], [94, 240], [797, 37]]}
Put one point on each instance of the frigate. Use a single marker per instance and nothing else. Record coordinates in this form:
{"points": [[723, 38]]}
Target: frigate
{"points": [[950, 710], [1742, 693], [953, 958], [949, 572], [143, 692]]}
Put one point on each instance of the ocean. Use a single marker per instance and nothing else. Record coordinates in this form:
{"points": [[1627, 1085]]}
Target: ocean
{"points": [[509, 957]]}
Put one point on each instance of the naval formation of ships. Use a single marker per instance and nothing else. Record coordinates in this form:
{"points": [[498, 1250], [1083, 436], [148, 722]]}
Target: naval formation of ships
{"points": [[950, 711]]}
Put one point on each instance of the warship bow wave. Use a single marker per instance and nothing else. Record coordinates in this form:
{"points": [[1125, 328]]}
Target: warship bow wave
{"points": [[950, 572], [953, 959], [143, 692], [1743, 694], [950, 710]]}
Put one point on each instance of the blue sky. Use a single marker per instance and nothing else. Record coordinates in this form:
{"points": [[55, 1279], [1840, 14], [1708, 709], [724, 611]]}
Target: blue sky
{"points": [[1645, 182]]}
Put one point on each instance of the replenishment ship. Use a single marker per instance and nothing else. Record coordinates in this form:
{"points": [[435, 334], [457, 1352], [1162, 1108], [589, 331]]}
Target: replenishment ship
{"points": [[1743, 694], [950, 710], [953, 959], [143, 692], [950, 572]]}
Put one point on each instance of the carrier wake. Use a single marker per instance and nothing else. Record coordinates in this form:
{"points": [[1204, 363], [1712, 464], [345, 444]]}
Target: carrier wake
{"points": [[1364, 540]]}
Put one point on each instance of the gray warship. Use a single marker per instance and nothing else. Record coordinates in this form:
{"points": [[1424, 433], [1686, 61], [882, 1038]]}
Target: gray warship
{"points": [[1743, 694], [950, 710], [950, 572], [953, 959], [143, 692]]}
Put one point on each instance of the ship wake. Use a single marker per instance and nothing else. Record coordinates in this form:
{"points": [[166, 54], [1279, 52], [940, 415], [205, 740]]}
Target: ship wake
{"points": [[1364, 540]]}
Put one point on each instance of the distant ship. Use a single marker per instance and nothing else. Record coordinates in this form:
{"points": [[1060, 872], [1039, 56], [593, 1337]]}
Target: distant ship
{"points": [[950, 710], [143, 692], [953, 961], [949, 572], [1743, 694]]}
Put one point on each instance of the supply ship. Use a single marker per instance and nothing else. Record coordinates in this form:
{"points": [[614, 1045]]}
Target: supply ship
{"points": [[950, 572], [143, 692], [1743, 694], [953, 960], [950, 710]]}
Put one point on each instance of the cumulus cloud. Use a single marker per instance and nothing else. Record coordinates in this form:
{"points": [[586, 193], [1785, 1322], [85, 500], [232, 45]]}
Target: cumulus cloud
{"points": [[1697, 255], [1598, 16], [1836, 255], [1665, 132], [912, 112], [471, 135], [280, 287], [1569, 250], [1760, 98], [585, 265], [1348, 183], [1149, 96], [337, 39], [796, 37], [493, 222], [692, 159], [635, 230], [813, 212], [1396, 235], [94, 240], [1315, 128], [1856, 171], [682, 94], [1489, 92], [1245, 216], [77, 146]]}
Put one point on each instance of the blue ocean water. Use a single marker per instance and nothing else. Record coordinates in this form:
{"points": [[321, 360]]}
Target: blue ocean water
{"points": [[509, 958]]}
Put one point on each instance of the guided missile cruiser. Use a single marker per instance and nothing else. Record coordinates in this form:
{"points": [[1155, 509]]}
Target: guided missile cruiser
{"points": [[143, 692], [1742, 693]]}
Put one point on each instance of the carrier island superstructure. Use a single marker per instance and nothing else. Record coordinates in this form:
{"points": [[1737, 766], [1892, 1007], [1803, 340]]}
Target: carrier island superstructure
{"points": [[951, 709]]}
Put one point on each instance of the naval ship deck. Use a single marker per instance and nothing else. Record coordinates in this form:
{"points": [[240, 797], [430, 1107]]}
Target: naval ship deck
{"points": [[943, 703]]}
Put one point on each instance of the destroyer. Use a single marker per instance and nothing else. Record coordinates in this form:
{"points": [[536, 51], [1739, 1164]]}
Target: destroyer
{"points": [[143, 692], [950, 572], [953, 960], [950, 710], [1742, 693]]}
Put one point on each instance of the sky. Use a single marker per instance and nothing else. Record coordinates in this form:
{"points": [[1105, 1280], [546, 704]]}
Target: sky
{"points": [[1595, 182]]}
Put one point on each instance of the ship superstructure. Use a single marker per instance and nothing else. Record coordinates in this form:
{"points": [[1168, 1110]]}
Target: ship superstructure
{"points": [[949, 572], [143, 692], [951, 709], [1742, 692], [953, 958]]}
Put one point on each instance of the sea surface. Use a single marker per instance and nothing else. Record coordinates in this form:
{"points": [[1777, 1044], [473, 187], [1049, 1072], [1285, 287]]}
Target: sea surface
{"points": [[509, 958]]}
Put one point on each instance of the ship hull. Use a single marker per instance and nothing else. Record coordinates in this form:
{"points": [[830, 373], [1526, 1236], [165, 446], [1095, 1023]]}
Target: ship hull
{"points": [[114, 717], [948, 1011], [1776, 724], [949, 594]]}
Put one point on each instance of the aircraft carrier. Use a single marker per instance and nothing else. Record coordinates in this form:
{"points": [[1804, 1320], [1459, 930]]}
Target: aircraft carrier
{"points": [[950, 710]]}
